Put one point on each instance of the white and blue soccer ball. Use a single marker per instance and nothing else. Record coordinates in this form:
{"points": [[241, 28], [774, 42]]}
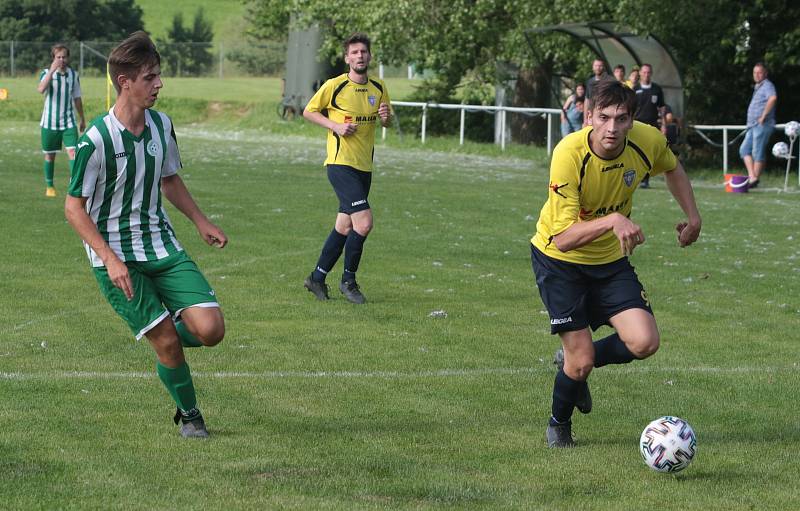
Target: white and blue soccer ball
{"points": [[791, 128], [668, 444], [780, 150]]}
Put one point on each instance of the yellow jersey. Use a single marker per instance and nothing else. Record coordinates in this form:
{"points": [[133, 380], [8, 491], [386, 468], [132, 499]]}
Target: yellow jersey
{"points": [[584, 186], [345, 101]]}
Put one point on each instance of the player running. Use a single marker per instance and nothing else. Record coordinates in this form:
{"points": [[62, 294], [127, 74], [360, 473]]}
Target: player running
{"points": [[584, 237], [348, 106], [61, 88], [125, 161]]}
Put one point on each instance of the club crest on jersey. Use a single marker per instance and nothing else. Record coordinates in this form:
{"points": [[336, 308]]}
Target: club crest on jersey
{"points": [[371, 100], [152, 148], [628, 177]]}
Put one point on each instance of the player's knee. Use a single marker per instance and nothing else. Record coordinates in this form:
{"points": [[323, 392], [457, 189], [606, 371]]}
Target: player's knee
{"points": [[644, 346], [211, 334], [579, 368]]}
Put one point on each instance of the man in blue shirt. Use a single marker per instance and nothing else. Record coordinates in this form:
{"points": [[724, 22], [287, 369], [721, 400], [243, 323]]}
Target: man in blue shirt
{"points": [[760, 124]]}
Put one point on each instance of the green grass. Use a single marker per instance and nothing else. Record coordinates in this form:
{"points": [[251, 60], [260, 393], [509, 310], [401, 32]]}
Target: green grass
{"points": [[226, 16], [330, 406]]}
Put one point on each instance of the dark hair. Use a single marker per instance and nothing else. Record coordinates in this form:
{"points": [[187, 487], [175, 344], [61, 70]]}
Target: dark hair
{"points": [[648, 65], [609, 92], [56, 47], [619, 66], [356, 37], [580, 99], [135, 53]]}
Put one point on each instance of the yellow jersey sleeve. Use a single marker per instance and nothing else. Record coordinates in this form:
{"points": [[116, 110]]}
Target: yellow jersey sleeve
{"points": [[563, 198], [321, 99]]}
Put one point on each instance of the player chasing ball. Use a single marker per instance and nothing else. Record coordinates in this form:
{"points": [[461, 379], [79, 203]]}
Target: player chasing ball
{"points": [[125, 162], [348, 106], [584, 237]]}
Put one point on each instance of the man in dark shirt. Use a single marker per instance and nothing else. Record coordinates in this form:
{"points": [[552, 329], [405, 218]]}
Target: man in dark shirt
{"points": [[649, 104]]}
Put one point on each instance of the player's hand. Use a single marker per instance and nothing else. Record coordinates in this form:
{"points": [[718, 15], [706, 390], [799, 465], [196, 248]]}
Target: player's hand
{"points": [[628, 233], [688, 232], [384, 112], [54, 66], [345, 129], [119, 276], [212, 235]]}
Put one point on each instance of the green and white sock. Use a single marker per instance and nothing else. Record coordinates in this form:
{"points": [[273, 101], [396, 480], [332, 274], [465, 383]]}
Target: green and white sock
{"points": [[178, 382]]}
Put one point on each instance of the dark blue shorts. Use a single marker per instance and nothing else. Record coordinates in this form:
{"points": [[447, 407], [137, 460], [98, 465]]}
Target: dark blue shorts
{"points": [[582, 295], [351, 187]]}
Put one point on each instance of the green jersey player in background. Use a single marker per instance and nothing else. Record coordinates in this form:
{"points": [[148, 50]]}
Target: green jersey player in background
{"points": [[61, 88], [125, 161]]}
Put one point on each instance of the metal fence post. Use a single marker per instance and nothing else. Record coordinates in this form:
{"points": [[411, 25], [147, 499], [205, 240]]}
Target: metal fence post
{"points": [[12, 58], [461, 129], [725, 149], [549, 134], [81, 66], [424, 120], [503, 129]]}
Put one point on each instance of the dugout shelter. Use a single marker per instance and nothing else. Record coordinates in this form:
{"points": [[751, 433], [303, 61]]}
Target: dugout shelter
{"points": [[615, 44]]}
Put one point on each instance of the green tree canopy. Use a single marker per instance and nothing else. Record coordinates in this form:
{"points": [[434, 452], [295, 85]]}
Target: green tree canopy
{"points": [[715, 42], [187, 50]]}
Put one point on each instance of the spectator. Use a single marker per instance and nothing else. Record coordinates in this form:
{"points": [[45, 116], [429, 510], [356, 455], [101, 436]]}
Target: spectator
{"points": [[598, 73], [671, 127], [572, 112], [633, 78], [619, 73], [649, 104], [760, 123]]}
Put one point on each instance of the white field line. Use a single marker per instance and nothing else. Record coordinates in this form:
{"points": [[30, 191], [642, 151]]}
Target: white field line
{"points": [[387, 375]]}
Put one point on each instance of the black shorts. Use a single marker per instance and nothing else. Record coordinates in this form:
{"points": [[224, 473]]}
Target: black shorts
{"points": [[351, 187], [582, 295]]}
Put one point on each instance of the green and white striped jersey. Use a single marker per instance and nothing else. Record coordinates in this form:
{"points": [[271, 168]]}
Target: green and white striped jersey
{"points": [[120, 174], [59, 112]]}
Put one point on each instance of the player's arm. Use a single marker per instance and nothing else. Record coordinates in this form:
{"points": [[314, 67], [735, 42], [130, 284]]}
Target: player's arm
{"points": [[768, 108], [75, 211], [48, 75], [582, 233], [176, 192], [681, 188], [342, 129]]}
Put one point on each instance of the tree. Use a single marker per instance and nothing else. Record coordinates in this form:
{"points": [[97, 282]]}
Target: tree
{"points": [[50, 21], [715, 43], [187, 51]]}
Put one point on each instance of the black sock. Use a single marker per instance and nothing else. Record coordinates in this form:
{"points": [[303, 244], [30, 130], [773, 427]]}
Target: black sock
{"points": [[353, 248], [331, 251], [565, 392], [611, 350]]}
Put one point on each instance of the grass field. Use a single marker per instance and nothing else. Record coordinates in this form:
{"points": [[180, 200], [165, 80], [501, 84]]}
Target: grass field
{"points": [[330, 406]]}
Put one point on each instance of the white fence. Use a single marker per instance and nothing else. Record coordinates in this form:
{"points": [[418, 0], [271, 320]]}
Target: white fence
{"points": [[502, 110], [725, 128]]}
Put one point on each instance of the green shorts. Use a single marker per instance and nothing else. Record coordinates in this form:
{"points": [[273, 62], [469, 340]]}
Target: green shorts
{"points": [[160, 288], [51, 139]]}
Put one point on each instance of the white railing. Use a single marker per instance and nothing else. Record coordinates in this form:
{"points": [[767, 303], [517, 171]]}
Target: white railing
{"points": [[503, 110], [725, 128]]}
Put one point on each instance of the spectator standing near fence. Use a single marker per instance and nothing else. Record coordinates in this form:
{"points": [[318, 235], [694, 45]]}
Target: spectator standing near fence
{"points": [[649, 104], [572, 111], [633, 77], [760, 124], [619, 73], [598, 73], [61, 88]]}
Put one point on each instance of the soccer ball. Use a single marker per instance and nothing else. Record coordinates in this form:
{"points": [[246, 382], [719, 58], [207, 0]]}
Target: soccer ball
{"points": [[668, 444], [791, 129], [780, 150]]}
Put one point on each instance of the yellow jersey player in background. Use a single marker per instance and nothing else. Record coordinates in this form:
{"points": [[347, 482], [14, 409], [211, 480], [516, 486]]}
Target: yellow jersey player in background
{"points": [[349, 106], [584, 237]]}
